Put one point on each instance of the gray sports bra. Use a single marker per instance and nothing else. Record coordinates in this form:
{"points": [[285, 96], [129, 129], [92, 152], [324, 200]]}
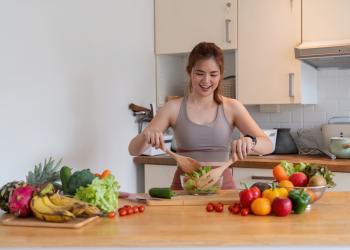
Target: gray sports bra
{"points": [[205, 143]]}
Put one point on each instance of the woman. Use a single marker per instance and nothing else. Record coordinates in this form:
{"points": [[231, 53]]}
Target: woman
{"points": [[203, 121]]}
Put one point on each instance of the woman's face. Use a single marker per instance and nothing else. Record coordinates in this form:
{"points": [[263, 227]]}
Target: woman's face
{"points": [[205, 77]]}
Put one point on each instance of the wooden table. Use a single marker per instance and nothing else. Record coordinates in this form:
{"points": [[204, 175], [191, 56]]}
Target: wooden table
{"points": [[327, 223]]}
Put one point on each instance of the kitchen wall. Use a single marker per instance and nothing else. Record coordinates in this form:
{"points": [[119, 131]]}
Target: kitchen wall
{"points": [[68, 70], [333, 100]]}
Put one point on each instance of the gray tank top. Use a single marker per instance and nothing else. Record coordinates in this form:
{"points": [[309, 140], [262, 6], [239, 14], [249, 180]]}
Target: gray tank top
{"points": [[205, 143]]}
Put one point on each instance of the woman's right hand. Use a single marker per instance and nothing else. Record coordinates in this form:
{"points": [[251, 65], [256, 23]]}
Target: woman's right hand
{"points": [[154, 137]]}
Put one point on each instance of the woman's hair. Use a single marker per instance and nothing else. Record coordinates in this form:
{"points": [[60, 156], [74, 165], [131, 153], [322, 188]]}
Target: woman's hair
{"points": [[206, 50]]}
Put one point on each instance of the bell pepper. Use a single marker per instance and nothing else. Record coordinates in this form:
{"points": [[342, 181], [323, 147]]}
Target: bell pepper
{"points": [[274, 192], [300, 199]]}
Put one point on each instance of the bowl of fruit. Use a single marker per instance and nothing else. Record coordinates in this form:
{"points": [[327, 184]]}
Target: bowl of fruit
{"points": [[190, 182], [311, 179]]}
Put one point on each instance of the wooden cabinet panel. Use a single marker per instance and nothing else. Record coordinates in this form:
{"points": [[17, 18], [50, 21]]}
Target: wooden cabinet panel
{"points": [[181, 24]]}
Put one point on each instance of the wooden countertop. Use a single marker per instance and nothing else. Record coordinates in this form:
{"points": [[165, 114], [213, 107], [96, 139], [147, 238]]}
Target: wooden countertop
{"points": [[327, 223], [268, 161]]}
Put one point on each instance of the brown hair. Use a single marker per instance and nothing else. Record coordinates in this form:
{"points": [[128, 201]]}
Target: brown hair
{"points": [[206, 50]]}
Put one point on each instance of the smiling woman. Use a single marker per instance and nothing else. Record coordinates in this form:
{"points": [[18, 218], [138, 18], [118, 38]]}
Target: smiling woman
{"points": [[203, 120]]}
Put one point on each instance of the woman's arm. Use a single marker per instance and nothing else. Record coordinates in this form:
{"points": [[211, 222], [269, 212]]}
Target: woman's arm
{"points": [[246, 124], [152, 135]]}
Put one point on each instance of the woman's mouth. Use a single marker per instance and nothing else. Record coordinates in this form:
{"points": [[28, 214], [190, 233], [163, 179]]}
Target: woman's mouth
{"points": [[205, 87]]}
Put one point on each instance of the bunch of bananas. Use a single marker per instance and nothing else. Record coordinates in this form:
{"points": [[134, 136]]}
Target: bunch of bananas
{"points": [[60, 208]]}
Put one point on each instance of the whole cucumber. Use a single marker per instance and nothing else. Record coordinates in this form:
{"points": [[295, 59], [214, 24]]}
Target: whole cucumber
{"points": [[161, 192], [65, 174]]}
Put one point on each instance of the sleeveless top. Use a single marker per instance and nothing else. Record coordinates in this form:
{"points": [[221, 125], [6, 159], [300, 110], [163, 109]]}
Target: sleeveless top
{"points": [[206, 143]]}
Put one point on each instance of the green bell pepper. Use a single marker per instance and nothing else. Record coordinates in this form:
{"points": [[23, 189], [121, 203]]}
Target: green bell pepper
{"points": [[300, 199]]}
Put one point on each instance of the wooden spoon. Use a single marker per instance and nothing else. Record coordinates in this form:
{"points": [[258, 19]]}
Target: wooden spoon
{"points": [[187, 164], [210, 178]]}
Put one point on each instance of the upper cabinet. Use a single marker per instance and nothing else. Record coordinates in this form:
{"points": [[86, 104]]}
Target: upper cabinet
{"points": [[181, 24], [267, 71], [326, 20]]}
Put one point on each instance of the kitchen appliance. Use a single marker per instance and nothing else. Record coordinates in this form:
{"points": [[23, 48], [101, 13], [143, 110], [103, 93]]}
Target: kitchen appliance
{"points": [[285, 143], [334, 130], [325, 54]]}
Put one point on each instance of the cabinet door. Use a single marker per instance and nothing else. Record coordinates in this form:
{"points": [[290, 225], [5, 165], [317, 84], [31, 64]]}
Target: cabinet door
{"points": [[268, 32], [326, 20], [181, 24]]}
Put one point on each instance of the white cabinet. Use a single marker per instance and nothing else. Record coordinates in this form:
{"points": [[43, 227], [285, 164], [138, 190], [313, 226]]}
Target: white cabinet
{"points": [[267, 71], [250, 176], [181, 24], [326, 20]]}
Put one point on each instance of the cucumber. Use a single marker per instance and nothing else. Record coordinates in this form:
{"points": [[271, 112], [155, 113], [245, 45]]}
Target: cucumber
{"points": [[65, 174], [161, 192]]}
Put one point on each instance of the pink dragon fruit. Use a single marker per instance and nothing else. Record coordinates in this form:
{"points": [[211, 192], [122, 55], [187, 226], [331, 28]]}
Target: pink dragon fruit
{"points": [[20, 200]]}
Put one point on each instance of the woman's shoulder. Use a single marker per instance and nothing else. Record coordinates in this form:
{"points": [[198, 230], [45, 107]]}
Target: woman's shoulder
{"points": [[231, 104]]}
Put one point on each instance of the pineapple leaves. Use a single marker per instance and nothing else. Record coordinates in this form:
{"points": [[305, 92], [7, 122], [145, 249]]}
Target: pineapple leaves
{"points": [[42, 174]]}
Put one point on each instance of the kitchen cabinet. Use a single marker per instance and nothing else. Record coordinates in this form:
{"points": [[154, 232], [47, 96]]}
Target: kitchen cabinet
{"points": [[158, 175], [325, 20], [267, 71], [181, 24]]}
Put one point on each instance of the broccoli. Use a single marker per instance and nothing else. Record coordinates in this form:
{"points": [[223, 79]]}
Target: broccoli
{"points": [[79, 179]]}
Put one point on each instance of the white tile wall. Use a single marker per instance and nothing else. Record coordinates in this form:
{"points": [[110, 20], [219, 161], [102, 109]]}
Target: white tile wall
{"points": [[333, 100]]}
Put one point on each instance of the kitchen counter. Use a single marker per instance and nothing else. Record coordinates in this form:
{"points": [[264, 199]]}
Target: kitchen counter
{"points": [[327, 223], [267, 162]]}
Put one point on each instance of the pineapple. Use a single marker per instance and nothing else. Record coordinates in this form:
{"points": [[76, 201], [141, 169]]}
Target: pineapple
{"points": [[6, 191], [44, 174]]}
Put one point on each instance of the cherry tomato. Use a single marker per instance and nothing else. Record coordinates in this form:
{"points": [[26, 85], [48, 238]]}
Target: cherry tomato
{"points": [[210, 207], [111, 214], [130, 210], [219, 207], [236, 208], [136, 209], [127, 206], [230, 207], [245, 211], [122, 212], [141, 209]]}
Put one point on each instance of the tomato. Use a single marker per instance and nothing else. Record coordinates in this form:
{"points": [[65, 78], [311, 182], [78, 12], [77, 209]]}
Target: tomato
{"points": [[141, 209], [210, 207], [219, 207], [236, 208], [245, 211], [286, 184], [130, 210], [255, 191], [111, 214], [136, 209], [246, 197], [261, 206], [127, 206], [122, 212]]}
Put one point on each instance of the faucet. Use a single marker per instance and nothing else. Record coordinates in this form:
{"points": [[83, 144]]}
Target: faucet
{"points": [[142, 114]]}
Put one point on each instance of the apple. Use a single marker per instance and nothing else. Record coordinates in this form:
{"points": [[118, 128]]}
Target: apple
{"points": [[299, 179], [281, 206]]}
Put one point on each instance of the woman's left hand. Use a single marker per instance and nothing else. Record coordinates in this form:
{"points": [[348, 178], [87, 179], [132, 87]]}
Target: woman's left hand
{"points": [[241, 148]]}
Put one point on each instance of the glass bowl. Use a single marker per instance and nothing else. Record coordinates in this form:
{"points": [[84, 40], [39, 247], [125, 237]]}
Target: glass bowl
{"points": [[190, 186], [316, 192]]}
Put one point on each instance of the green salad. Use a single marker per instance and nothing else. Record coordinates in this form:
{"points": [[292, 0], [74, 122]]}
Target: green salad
{"points": [[190, 182]]}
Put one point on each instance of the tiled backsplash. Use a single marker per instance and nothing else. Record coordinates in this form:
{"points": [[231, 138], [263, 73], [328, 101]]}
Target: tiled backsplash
{"points": [[333, 100]]}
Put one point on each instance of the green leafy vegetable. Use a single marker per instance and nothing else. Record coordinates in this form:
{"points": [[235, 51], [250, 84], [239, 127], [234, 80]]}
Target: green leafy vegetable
{"points": [[103, 193], [190, 182]]}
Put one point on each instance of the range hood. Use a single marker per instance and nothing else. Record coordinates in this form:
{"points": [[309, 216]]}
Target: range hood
{"points": [[334, 54]]}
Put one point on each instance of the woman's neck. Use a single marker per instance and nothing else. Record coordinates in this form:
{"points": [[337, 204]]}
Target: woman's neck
{"points": [[203, 101]]}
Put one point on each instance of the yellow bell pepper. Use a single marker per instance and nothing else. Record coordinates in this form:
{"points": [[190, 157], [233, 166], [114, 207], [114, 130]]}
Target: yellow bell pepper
{"points": [[274, 192]]}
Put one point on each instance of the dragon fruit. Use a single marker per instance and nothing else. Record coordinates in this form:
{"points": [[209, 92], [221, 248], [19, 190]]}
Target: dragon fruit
{"points": [[20, 200]]}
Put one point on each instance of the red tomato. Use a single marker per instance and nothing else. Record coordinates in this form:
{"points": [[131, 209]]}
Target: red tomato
{"points": [[256, 192], [141, 209], [246, 197], [219, 207], [111, 214], [122, 212], [236, 208], [136, 209], [130, 210], [210, 207], [245, 211], [127, 206]]}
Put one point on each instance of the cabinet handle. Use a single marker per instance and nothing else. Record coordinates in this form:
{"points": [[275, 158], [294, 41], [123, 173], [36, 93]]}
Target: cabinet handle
{"points": [[227, 26], [291, 84]]}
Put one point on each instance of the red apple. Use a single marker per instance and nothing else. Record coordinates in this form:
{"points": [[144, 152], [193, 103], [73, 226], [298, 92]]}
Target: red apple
{"points": [[281, 206], [299, 179]]}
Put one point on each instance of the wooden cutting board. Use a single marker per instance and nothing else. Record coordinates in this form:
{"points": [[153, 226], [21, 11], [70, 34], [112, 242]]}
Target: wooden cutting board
{"points": [[11, 220], [184, 199]]}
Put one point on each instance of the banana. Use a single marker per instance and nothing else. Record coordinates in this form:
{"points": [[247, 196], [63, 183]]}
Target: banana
{"points": [[50, 213], [77, 207]]}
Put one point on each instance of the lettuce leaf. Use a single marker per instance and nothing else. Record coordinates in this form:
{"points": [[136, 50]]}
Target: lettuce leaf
{"points": [[103, 193]]}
